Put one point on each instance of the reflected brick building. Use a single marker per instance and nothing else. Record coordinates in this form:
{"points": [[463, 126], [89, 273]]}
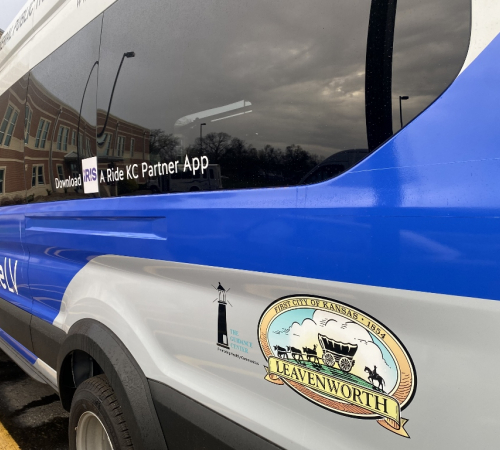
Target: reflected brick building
{"points": [[12, 183], [42, 139]]}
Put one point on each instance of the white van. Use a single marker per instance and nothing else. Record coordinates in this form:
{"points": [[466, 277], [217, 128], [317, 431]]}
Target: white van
{"points": [[267, 312]]}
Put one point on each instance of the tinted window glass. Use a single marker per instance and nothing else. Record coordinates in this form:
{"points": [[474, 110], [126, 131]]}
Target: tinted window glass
{"points": [[264, 93], [61, 100], [12, 118]]}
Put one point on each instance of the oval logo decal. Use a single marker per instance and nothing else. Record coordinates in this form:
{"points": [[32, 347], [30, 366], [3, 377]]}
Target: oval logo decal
{"points": [[339, 358]]}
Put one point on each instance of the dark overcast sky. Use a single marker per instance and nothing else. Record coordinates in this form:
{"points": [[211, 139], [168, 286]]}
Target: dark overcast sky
{"points": [[299, 62]]}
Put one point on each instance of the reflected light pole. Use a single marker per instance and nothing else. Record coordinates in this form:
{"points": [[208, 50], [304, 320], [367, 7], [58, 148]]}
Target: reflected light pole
{"points": [[125, 55], [51, 169], [78, 149], [201, 136], [401, 98]]}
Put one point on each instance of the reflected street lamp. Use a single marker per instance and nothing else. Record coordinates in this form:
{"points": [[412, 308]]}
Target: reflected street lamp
{"points": [[201, 136], [125, 55], [402, 97]]}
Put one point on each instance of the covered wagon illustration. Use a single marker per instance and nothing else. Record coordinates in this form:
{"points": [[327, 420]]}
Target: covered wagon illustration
{"points": [[340, 352]]}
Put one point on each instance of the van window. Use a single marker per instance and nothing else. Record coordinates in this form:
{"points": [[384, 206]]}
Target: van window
{"points": [[61, 98], [267, 91], [12, 119]]}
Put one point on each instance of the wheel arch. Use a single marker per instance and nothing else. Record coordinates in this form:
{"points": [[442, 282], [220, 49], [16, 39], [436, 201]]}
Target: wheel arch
{"points": [[99, 350]]}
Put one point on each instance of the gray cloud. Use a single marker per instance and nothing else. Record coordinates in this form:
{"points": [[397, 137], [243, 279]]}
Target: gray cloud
{"points": [[300, 63]]}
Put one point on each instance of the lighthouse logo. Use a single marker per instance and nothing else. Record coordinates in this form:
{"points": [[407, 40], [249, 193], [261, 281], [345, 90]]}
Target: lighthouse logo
{"points": [[338, 357], [222, 339]]}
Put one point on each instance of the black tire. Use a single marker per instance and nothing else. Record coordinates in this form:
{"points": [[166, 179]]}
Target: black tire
{"points": [[96, 396]]}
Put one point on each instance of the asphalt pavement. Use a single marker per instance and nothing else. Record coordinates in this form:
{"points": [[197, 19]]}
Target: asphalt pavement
{"points": [[31, 414]]}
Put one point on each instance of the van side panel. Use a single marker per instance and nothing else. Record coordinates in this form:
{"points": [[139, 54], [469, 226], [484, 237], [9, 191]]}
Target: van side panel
{"points": [[409, 236], [390, 237]]}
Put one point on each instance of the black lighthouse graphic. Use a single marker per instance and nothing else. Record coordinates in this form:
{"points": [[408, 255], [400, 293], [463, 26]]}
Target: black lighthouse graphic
{"points": [[222, 340]]}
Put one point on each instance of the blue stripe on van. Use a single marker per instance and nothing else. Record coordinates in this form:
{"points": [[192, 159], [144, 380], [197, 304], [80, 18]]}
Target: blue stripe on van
{"points": [[419, 214], [20, 349]]}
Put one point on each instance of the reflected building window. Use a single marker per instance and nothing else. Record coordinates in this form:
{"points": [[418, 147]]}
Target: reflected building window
{"points": [[44, 134], [62, 138], [5, 123], [38, 136], [65, 139], [12, 137], [8, 125], [2, 180], [11, 127], [41, 133], [59, 138], [37, 178], [120, 148]]}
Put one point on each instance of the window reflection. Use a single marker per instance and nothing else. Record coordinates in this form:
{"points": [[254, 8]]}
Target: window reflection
{"points": [[270, 96], [12, 107], [255, 94], [334, 165], [60, 122]]}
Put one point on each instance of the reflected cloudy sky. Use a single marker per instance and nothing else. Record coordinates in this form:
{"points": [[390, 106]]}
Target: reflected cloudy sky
{"points": [[300, 64]]}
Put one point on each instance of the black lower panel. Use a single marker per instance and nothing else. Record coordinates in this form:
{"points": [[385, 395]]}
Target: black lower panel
{"points": [[189, 425], [47, 340], [16, 323]]}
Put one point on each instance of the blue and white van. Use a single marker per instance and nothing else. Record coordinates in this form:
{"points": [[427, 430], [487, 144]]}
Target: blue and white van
{"points": [[356, 309]]}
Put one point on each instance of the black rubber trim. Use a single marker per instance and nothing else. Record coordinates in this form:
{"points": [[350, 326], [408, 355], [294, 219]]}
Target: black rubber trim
{"points": [[190, 425], [47, 340], [16, 323], [123, 373], [378, 80]]}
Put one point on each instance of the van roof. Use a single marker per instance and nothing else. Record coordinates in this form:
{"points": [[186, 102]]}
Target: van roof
{"points": [[38, 29]]}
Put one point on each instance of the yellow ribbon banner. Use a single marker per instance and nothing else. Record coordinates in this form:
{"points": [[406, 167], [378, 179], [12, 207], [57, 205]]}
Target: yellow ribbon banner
{"points": [[374, 401]]}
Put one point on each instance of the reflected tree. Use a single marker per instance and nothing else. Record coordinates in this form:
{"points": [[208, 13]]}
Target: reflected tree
{"points": [[163, 146], [297, 162], [244, 166]]}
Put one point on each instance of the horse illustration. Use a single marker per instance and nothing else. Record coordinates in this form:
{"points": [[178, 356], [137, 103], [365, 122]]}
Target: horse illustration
{"points": [[374, 376], [296, 353], [282, 353], [311, 354]]}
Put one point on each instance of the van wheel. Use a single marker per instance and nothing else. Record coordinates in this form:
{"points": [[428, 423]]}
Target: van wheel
{"points": [[194, 189], [96, 420]]}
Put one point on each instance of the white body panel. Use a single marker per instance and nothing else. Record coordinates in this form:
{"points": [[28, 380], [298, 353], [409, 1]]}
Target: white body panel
{"points": [[485, 27], [165, 315]]}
